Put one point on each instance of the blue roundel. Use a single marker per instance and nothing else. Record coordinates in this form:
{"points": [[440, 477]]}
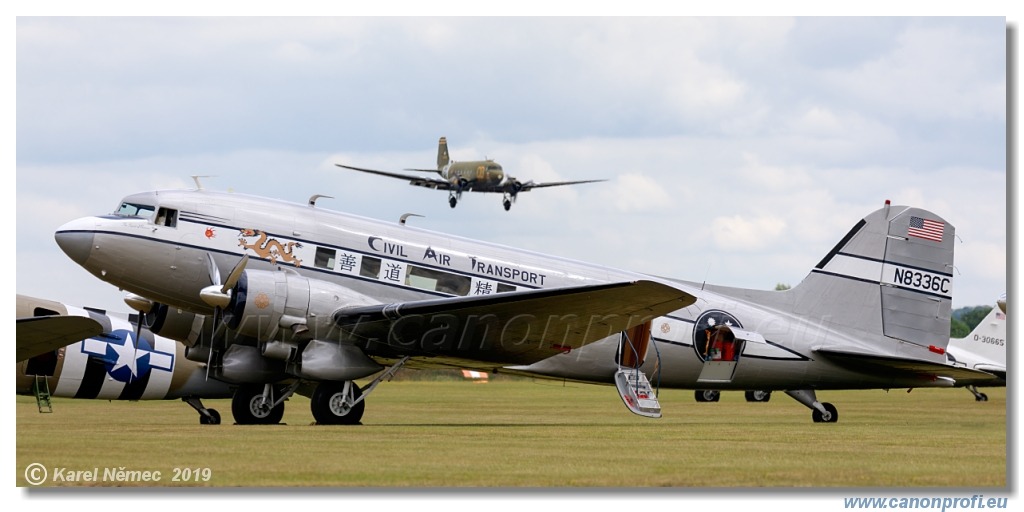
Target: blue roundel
{"points": [[707, 320]]}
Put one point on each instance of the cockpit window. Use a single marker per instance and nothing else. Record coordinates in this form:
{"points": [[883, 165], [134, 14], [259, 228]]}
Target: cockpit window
{"points": [[135, 210]]}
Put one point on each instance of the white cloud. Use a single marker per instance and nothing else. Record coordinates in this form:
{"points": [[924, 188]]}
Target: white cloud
{"points": [[743, 234]]}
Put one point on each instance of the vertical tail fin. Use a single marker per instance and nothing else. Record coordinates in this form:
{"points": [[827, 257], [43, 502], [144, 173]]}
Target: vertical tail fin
{"points": [[442, 153], [987, 340], [889, 277]]}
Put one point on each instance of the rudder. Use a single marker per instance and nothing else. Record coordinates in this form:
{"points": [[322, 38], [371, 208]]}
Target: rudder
{"points": [[442, 153]]}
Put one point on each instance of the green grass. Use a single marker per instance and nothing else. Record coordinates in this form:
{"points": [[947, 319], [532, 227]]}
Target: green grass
{"points": [[511, 433]]}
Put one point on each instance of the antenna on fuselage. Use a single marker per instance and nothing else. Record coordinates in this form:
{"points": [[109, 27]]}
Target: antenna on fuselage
{"points": [[403, 218], [314, 197], [195, 178]]}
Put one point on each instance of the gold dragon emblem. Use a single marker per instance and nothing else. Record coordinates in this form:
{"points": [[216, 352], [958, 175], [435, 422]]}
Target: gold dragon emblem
{"points": [[269, 248]]}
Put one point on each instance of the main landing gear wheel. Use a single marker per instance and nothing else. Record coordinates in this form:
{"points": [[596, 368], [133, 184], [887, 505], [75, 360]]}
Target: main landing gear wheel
{"points": [[706, 395], [507, 204], [331, 406], [452, 201], [831, 415], [212, 419], [758, 396], [250, 408]]}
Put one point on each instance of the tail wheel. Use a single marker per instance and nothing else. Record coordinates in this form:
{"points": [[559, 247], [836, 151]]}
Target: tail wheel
{"points": [[331, 405], [250, 408], [212, 419], [831, 415]]}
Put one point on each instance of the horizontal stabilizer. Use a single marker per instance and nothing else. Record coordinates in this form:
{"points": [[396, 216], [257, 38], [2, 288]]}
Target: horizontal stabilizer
{"points": [[886, 366], [509, 328], [41, 334]]}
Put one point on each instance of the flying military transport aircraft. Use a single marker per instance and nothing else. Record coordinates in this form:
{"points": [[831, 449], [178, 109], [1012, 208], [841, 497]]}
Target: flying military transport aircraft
{"points": [[71, 352], [472, 176], [315, 300]]}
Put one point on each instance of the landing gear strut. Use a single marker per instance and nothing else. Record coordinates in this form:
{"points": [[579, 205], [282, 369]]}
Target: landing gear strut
{"points": [[206, 416], [978, 395], [821, 412], [259, 404], [342, 403], [507, 201]]}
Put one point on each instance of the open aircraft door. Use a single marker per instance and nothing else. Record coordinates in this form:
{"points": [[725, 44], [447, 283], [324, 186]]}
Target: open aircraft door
{"points": [[724, 350]]}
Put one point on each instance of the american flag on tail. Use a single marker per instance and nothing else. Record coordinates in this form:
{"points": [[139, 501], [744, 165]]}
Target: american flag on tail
{"points": [[926, 229]]}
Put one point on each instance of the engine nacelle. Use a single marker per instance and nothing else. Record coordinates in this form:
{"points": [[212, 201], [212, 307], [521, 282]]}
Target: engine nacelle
{"points": [[323, 360], [245, 365], [287, 307], [177, 324]]}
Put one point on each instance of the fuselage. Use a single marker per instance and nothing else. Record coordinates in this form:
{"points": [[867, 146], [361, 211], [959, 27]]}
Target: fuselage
{"points": [[168, 245], [482, 175], [116, 365]]}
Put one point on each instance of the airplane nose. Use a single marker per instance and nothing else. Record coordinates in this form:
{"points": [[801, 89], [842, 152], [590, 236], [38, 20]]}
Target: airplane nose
{"points": [[76, 244]]}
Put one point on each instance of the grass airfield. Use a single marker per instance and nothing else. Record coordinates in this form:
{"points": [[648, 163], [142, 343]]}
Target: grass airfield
{"points": [[539, 434]]}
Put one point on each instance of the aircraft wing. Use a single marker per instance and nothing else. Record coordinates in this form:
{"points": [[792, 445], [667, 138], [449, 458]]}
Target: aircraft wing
{"points": [[509, 328], [41, 334], [419, 181], [891, 366], [530, 184]]}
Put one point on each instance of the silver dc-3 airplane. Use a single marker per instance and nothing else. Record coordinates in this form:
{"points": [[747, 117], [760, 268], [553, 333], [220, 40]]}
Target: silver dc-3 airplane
{"points": [[470, 176], [315, 299], [65, 351]]}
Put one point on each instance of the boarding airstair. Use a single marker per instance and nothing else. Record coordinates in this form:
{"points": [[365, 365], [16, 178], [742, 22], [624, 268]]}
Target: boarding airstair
{"points": [[633, 386], [41, 388]]}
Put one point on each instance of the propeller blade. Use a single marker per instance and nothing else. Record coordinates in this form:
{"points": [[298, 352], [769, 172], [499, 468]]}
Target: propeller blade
{"points": [[236, 273], [213, 270]]}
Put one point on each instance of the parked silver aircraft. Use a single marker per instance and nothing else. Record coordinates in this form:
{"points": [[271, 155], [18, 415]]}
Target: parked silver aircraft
{"points": [[983, 349], [71, 352], [471, 176], [316, 299]]}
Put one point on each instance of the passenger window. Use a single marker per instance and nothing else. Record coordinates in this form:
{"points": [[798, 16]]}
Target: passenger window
{"points": [[166, 217], [438, 281], [324, 258], [502, 288], [369, 267]]}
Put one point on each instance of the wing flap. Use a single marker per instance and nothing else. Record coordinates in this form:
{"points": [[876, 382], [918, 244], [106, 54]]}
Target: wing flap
{"points": [[509, 328], [41, 334]]}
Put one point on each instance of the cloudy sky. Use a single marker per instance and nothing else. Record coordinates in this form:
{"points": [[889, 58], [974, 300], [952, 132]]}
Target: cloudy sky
{"points": [[738, 150]]}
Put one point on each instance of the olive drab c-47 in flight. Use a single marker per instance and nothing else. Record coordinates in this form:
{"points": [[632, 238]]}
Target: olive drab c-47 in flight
{"points": [[470, 176], [358, 298]]}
